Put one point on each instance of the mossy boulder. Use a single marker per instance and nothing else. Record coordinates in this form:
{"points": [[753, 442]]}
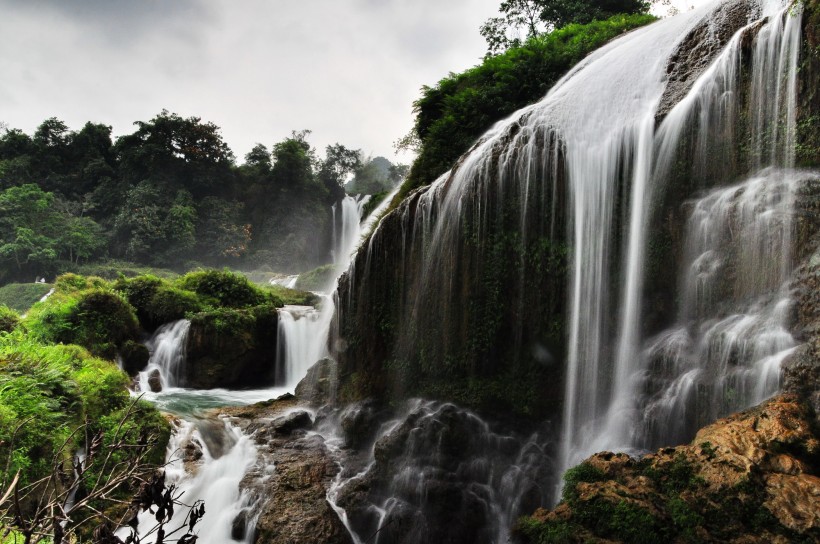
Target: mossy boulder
{"points": [[224, 288], [230, 347], [87, 313]]}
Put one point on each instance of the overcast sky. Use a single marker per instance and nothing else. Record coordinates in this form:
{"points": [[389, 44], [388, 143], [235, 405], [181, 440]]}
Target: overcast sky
{"points": [[348, 70]]}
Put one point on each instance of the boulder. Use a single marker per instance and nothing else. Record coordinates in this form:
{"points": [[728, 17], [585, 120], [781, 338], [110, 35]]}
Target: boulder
{"points": [[316, 388]]}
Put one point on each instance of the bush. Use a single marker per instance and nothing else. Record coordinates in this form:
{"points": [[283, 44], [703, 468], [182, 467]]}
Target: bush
{"points": [[8, 319], [98, 319], [452, 115], [223, 288], [317, 279]]}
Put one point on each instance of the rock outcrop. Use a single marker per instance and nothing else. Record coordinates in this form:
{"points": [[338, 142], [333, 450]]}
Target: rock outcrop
{"points": [[294, 508], [232, 348], [752, 477]]}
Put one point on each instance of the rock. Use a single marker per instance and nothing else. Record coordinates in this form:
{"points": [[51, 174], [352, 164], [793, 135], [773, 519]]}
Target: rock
{"points": [[155, 381], [316, 387], [286, 424], [292, 507], [134, 357], [751, 477], [232, 348], [360, 422], [699, 48], [239, 527]]}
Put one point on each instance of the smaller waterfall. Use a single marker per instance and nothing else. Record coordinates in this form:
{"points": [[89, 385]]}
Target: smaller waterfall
{"points": [[346, 235], [302, 340], [167, 347], [287, 281], [211, 476], [733, 332], [436, 453]]}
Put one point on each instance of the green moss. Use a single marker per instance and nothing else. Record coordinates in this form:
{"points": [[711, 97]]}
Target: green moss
{"points": [[22, 296], [283, 295], [96, 318], [546, 532]]}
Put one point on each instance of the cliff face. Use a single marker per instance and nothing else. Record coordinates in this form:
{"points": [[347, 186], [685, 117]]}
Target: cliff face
{"points": [[491, 337]]}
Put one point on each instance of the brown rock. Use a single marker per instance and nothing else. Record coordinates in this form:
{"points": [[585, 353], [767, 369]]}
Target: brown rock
{"points": [[293, 508]]}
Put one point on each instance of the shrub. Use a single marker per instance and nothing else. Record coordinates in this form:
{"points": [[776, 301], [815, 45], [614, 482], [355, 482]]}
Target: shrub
{"points": [[317, 279], [223, 288], [8, 319], [98, 319]]}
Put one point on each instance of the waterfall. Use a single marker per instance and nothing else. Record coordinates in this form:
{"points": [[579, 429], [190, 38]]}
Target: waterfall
{"points": [[210, 476], [167, 348], [347, 234], [433, 449], [302, 340]]}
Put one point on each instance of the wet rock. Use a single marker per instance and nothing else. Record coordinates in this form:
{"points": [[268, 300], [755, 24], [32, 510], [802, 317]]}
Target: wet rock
{"points": [[292, 502], [239, 527], [231, 348], [699, 48], [288, 423], [751, 477], [154, 381], [360, 422], [442, 474], [316, 387]]}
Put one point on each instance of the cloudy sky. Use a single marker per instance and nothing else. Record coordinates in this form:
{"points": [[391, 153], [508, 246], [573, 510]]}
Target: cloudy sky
{"points": [[348, 70]]}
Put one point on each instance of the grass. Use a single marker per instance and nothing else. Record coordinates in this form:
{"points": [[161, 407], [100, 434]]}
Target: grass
{"points": [[22, 296]]}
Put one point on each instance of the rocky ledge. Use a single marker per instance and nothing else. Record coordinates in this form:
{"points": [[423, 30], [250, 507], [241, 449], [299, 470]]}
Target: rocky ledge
{"points": [[751, 477], [294, 509]]}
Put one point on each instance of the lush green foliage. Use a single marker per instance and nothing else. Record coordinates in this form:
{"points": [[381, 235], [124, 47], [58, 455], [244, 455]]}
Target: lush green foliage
{"points": [[168, 195], [451, 115], [86, 312], [22, 296], [533, 18], [224, 288], [8, 319], [46, 391]]}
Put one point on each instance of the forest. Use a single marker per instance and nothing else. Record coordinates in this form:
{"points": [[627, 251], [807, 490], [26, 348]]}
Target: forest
{"points": [[170, 195]]}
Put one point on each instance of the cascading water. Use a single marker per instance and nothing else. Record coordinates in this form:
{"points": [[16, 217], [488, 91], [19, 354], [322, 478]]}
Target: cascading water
{"points": [[347, 234], [596, 146], [437, 473], [167, 348], [209, 476], [302, 340]]}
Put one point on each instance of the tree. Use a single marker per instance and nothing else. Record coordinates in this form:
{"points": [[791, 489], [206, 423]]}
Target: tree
{"points": [[340, 162], [525, 19]]}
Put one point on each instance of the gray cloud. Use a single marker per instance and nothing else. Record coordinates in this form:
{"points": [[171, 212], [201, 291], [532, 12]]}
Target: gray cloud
{"points": [[349, 70]]}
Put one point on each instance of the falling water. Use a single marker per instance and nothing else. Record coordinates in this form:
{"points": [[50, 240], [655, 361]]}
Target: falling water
{"points": [[167, 348], [348, 232], [433, 450], [302, 340], [209, 476]]}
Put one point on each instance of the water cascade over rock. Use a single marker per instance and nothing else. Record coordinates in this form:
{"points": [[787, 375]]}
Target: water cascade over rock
{"points": [[616, 256], [167, 348]]}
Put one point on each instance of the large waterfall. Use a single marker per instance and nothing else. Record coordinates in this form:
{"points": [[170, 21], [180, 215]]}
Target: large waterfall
{"points": [[596, 167]]}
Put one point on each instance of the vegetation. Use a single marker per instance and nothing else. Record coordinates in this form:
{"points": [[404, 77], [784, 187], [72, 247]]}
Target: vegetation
{"points": [[168, 196], [451, 115], [22, 296]]}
